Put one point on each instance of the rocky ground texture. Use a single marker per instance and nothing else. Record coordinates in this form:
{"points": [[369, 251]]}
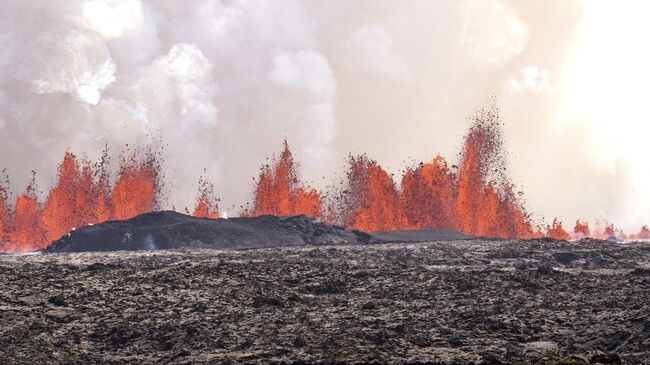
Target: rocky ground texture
{"points": [[172, 230], [447, 302]]}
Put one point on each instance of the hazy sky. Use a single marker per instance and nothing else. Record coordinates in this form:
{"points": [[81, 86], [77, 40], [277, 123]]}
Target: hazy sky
{"points": [[225, 81]]}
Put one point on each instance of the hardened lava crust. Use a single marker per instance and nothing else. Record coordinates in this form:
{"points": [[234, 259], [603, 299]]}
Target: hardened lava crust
{"points": [[447, 302]]}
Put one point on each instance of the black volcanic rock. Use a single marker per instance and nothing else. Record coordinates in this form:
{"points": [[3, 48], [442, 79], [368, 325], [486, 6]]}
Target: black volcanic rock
{"points": [[445, 302], [420, 235], [170, 230]]}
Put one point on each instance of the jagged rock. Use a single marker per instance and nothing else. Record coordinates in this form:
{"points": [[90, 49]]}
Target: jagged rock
{"points": [[172, 230], [169, 230], [565, 258], [640, 272], [444, 302]]}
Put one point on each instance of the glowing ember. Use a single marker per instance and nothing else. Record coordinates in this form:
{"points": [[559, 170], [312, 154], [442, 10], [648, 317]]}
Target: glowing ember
{"points": [[279, 192], [81, 195], [27, 232], [581, 230], [370, 201], [476, 198], [427, 195], [557, 231], [137, 186], [207, 204], [644, 234], [485, 203]]}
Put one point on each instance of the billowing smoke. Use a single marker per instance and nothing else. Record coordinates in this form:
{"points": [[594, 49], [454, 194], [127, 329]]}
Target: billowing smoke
{"points": [[221, 83]]}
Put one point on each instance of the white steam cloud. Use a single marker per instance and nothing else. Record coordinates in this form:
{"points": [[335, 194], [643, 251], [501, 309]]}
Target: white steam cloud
{"points": [[531, 79], [111, 18], [74, 62], [223, 82], [369, 50]]}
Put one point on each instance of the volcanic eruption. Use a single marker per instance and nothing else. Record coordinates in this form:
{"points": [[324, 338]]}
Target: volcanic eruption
{"points": [[207, 203], [82, 195], [278, 190], [476, 197]]}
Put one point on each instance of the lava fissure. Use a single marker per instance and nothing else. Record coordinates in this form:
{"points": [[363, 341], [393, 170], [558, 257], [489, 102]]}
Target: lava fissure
{"points": [[278, 190], [82, 195], [475, 198]]}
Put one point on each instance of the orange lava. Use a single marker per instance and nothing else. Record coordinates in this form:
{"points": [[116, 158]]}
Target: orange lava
{"points": [[72, 202], [279, 192], [512, 219], [476, 197], [81, 195], [557, 231], [485, 204], [581, 230], [137, 187], [604, 230], [370, 201], [475, 200], [207, 204], [26, 232], [644, 234], [427, 195]]}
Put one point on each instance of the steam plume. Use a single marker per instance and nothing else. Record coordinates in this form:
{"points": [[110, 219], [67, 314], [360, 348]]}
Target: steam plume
{"points": [[221, 83]]}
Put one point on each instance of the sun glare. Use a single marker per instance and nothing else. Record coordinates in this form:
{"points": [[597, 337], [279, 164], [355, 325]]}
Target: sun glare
{"points": [[111, 18], [607, 87]]}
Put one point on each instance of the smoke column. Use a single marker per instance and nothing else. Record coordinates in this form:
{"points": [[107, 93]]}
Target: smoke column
{"points": [[222, 83]]}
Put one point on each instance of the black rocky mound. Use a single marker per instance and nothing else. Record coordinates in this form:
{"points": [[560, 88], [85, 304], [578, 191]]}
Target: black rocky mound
{"points": [[172, 230]]}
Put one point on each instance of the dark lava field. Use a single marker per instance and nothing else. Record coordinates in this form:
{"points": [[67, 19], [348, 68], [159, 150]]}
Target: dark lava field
{"points": [[463, 301]]}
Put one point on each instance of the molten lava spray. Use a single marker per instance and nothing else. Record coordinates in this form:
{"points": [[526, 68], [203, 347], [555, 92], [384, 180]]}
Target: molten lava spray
{"points": [[557, 231], [644, 234], [605, 230], [581, 230], [74, 201], [485, 202], [82, 195], [279, 192], [427, 195], [207, 203], [476, 197], [370, 200], [26, 231], [478, 200], [137, 187]]}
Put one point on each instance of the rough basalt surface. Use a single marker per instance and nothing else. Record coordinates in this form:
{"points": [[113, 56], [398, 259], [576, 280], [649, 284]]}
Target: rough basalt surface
{"points": [[172, 230], [168, 230], [486, 302]]}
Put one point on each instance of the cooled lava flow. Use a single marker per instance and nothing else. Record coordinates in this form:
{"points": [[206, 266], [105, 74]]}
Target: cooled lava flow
{"points": [[475, 198]]}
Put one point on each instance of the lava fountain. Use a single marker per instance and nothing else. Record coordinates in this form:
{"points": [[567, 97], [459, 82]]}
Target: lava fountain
{"points": [[278, 190], [476, 197], [207, 203], [81, 195]]}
